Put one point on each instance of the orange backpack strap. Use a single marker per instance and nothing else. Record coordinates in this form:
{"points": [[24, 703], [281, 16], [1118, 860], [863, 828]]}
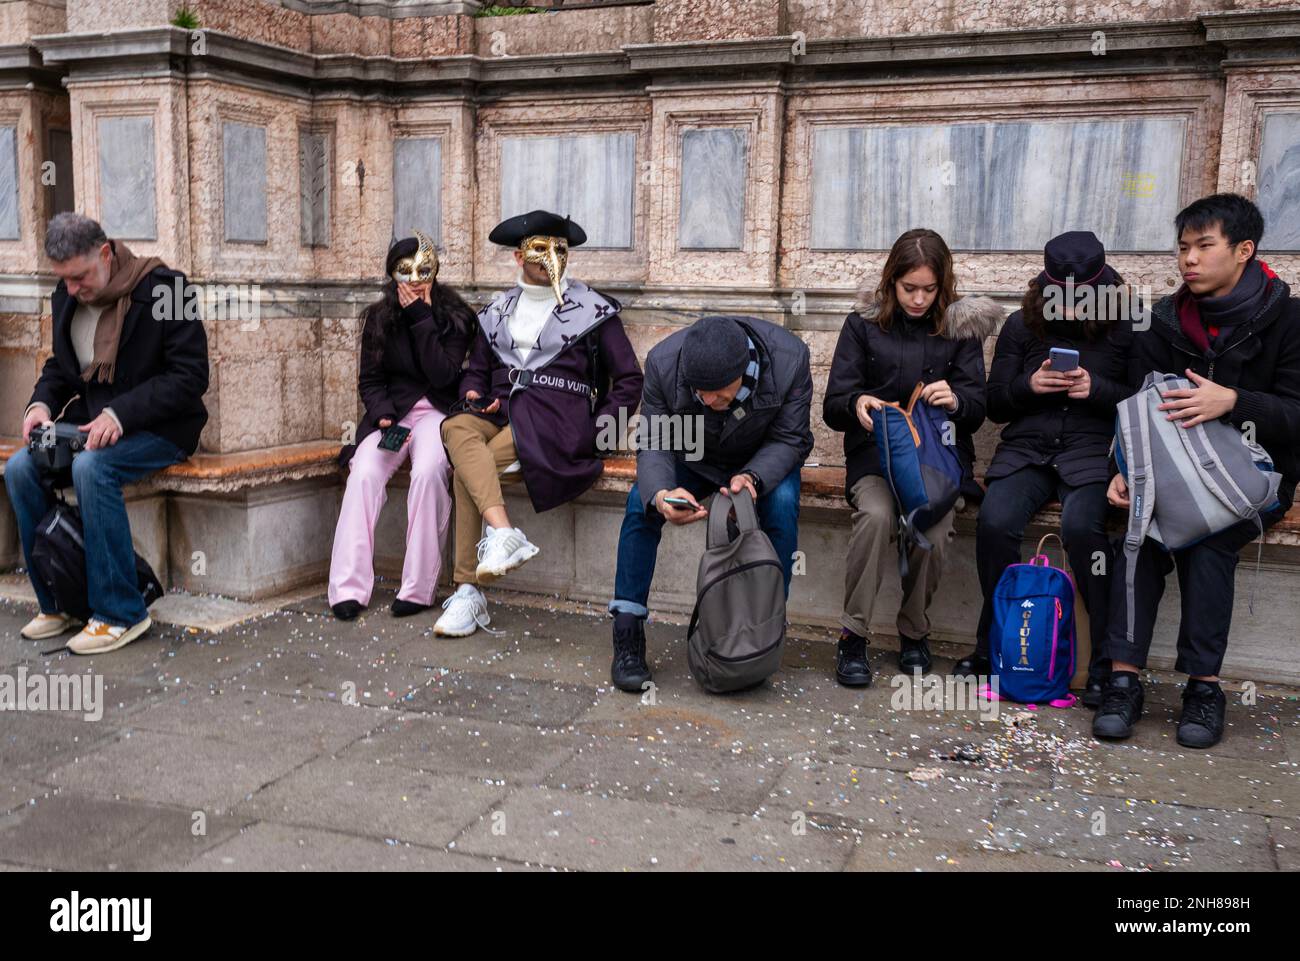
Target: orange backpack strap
{"points": [[916, 396]]}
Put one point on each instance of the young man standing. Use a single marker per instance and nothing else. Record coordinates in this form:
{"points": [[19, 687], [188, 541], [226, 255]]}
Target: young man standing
{"points": [[1233, 329]]}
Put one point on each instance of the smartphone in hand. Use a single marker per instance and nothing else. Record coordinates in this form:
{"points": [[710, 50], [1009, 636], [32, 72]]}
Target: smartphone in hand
{"points": [[1064, 360], [394, 437]]}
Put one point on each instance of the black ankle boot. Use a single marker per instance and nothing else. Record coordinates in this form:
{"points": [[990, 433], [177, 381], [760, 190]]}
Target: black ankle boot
{"points": [[403, 608], [973, 665], [347, 610], [913, 655], [628, 671], [851, 667], [1120, 707], [1204, 705]]}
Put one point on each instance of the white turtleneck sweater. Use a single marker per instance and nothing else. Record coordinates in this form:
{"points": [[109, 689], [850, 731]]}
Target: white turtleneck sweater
{"points": [[532, 310]]}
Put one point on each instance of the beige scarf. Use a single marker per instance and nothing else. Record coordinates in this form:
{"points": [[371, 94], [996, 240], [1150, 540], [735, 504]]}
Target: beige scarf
{"points": [[127, 270]]}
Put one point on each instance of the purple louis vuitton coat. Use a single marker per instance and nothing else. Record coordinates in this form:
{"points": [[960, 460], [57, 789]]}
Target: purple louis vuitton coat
{"points": [[547, 398]]}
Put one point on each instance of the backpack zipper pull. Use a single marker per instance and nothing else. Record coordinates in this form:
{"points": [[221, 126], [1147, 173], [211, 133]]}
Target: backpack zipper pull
{"points": [[1059, 613]]}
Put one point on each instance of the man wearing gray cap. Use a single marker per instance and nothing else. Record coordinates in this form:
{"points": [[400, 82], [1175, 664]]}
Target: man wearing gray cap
{"points": [[750, 383]]}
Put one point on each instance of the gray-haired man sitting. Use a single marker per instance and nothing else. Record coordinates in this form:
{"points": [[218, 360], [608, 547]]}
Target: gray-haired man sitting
{"points": [[131, 370]]}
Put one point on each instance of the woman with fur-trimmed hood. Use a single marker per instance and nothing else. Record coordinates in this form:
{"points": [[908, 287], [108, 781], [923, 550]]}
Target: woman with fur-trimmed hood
{"points": [[909, 329]]}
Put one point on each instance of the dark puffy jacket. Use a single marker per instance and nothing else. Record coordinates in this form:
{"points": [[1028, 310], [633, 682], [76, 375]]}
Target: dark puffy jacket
{"points": [[1051, 430], [1261, 361], [771, 437], [888, 364]]}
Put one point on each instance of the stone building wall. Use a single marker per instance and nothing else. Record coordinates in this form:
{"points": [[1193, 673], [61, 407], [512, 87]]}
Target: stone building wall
{"points": [[749, 156]]}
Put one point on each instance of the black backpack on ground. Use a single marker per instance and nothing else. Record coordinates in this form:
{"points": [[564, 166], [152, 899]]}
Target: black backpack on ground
{"points": [[59, 550]]}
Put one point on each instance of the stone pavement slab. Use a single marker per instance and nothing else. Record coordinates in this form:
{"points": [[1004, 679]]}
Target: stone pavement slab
{"points": [[512, 750], [564, 829], [283, 847], [376, 800]]}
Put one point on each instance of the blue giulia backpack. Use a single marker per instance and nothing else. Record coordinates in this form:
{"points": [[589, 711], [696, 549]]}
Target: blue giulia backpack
{"points": [[1032, 640], [922, 471]]}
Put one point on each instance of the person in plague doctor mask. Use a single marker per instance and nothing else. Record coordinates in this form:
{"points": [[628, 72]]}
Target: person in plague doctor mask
{"points": [[551, 361]]}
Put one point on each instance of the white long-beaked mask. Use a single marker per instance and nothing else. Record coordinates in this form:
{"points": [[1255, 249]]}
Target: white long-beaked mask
{"points": [[552, 253], [421, 267]]}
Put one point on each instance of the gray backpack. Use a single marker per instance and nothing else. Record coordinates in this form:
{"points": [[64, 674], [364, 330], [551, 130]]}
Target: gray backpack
{"points": [[737, 629], [1185, 483]]}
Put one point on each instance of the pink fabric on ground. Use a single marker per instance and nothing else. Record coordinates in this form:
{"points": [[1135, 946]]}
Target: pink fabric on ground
{"points": [[428, 510]]}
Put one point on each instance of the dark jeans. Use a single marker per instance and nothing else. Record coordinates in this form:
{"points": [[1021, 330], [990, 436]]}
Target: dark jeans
{"points": [[97, 476], [1206, 581], [1008, 508], [638, 541]]}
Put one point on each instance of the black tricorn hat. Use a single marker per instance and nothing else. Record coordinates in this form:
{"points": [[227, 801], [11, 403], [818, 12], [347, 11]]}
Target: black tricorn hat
{"points": [[1078, 254], [514, 230]]}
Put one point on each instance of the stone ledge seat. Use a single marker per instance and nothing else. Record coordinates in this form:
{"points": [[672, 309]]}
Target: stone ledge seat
{"points": [[221, 473]]}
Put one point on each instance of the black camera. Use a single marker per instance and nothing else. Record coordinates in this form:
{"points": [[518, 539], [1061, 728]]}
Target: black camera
{"points": [[53, 446]]}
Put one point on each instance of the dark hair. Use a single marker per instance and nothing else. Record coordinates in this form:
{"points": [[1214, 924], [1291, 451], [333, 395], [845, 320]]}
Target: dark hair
{"points": [[1233, 214], [381, 318], [916, 248], [1094, 328]]}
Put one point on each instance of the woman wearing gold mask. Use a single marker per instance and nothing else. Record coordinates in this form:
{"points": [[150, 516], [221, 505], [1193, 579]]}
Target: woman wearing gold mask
{"points": [[413, 345]]}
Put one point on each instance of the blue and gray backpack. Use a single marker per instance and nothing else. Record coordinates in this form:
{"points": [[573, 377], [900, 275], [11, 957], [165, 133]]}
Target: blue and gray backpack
{"points": [[922, 471], [1032, 640]]}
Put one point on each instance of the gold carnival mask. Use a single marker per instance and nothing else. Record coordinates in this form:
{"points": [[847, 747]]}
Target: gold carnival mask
{"points": [[552, 253], [421, 267]]}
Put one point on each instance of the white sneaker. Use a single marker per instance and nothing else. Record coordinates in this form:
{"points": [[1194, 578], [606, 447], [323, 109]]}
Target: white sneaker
{"points": [[100, 638], [463, 613], [44, 626], [501, 551]]}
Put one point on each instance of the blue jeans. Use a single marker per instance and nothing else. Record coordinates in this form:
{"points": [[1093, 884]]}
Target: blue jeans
{"points": [[638, 541], [97, 476]]}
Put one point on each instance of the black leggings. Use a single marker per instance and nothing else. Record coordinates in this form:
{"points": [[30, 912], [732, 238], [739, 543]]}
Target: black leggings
{"points": [[1009, 506]]}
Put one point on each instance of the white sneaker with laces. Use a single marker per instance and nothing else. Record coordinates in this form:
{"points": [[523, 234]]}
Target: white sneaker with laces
{"points": [[501, 551], [44, 626], [463, 613], [100, 638]]}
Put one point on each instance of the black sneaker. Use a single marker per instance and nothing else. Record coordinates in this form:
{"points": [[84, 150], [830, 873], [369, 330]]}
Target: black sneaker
{"points": [[851, 667], [973, 665], [629, 672], [1204, 705], [347, 610], [1120, 707], [913, 655], [1092, 694]]}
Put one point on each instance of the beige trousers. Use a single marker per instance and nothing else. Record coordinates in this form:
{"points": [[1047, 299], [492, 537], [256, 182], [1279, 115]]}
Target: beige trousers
{"points": [[479, 451], [873, 551]]}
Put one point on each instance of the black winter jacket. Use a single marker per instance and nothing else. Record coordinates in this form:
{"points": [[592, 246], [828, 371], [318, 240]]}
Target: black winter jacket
{"points": [[1051, 430], [889, 364]]}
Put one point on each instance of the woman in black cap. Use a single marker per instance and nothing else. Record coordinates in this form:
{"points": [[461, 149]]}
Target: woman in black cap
{"points": [[413, 344], [910, 328], [1060, 417]]}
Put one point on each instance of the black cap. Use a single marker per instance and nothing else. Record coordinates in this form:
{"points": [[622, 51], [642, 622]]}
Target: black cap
{"points": [[513, 231], [1078, 254], [715, 353], [405, 247]]}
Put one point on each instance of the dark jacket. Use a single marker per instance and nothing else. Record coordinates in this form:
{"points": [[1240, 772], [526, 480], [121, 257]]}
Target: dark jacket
{"points": [[889, 364], [422, 357], [555, 429], [161, 371], [1051, 430], [771, 437], [1260, 360]]}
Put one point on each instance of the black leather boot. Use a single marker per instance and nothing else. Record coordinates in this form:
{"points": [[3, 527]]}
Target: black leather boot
{"points": [[629, 672], [913, 655], [851, 667], [974, 664]]}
